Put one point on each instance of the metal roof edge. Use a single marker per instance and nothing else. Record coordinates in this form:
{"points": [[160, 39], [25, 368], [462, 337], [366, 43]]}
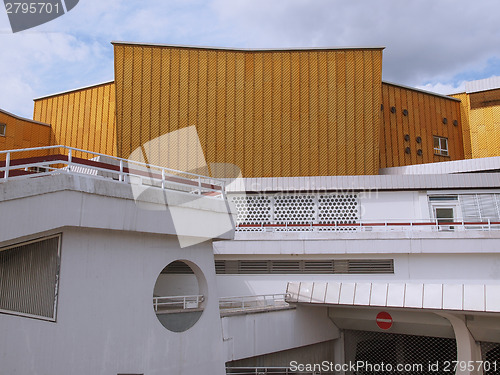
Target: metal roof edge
{"points": [[422, 91], [247, 49], [23, 118], [73, 90]]}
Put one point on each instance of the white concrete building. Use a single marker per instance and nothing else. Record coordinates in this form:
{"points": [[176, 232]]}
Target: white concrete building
{"points": [[401, 268]]}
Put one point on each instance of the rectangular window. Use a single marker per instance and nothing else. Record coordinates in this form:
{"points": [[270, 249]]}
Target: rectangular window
{"points": [[440, 146], [3, 127], [29, 276]]}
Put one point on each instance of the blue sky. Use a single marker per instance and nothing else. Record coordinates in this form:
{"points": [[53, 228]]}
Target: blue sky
{"points": [[436, 45]]}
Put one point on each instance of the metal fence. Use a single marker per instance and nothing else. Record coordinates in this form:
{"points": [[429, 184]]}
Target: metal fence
{"points": [[49, 160], [263, 301], [177, 302]]}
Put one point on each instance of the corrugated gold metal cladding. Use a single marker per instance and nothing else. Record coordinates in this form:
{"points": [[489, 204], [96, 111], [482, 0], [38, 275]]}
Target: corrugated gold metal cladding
{"points": [[23, 133], [83, 118], [424, 119], [271, 113], [481, 128]]}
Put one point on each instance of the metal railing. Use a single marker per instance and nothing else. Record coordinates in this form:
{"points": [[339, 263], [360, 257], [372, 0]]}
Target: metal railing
{"points": [[49, 160], [263, 301], [374, 226], [177, 302], [270, 370]]}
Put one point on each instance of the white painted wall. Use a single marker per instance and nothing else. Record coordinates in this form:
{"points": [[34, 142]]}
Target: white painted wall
{"points": [[250, 335], [470, 267], [105, 319]]}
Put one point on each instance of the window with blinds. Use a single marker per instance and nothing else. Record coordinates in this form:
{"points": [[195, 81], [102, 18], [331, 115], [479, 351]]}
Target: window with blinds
{"points": [[29, 276], [480, 207]]}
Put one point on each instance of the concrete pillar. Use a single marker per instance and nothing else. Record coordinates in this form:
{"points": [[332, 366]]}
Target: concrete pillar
{"points": [[468, 350]]}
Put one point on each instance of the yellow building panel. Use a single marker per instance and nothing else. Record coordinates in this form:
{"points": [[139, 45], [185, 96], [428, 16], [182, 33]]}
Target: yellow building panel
{"points": [[268, 125], [23, 133], [314, 148], [360, 132], [272, 113], [295, 114], [83, 118], [422, 119], [286, 115], [277, 125], [341, 109], [323, 133]]}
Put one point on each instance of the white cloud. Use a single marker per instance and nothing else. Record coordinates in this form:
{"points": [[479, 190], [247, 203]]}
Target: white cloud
{"points": [[442, 88], [429, 43]]}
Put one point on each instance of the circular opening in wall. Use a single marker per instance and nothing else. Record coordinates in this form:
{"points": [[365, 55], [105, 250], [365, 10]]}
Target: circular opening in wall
{"points": [[405, 112], [393, 109], [419, 139], [455, 123], [407, 137], [445, 120], [419, 152], [179, 295], [407, 150]]}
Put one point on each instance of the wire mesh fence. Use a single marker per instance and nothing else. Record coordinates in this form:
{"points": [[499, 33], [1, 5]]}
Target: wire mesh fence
{"points": [[387, 353]]}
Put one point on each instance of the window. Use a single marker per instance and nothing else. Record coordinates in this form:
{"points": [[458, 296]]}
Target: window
{"points": [[440, 146], [2, 129], [29, 275]]}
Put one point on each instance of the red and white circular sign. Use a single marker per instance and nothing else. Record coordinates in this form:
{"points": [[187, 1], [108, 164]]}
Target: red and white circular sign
{"points": [[384, 320]]}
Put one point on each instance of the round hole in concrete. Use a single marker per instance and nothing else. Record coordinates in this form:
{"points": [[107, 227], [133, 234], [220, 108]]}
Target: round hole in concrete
{"points": [[179, 295]]}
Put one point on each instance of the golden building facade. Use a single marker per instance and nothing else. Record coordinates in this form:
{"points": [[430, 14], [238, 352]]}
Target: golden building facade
{"points": [[17, 132], [82, 118], [271, 113], [481, 119], [412, 119]]}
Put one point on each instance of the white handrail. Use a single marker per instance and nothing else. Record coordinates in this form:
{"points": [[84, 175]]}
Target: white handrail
{"points": [[253, 302], [195, 183], [178, 302], [375, 225], [108, 156]]}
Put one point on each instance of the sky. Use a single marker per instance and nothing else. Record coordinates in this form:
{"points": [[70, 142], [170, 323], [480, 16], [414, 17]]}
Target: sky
{"points": [[435, 45]]}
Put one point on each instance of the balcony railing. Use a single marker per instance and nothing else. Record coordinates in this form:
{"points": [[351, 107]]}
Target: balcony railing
{"points": [[271, 370], [43, 161], [263, 301], [374, 226], [164, 304], [226, 304]]}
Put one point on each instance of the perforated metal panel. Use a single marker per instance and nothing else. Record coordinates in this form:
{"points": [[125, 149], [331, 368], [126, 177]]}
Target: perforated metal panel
{"points": [[294, 209], [320, 208]]}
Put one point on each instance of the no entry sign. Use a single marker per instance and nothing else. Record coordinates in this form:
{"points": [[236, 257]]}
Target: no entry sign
{"points": [[384, 320]]}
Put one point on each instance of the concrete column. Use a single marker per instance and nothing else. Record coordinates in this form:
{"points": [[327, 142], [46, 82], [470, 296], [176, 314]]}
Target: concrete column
{"points": [[468, 350]]}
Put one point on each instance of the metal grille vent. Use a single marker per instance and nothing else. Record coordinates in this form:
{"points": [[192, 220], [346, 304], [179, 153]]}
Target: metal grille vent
{"points": [[340, 266], [177, 267], [29, 275]]}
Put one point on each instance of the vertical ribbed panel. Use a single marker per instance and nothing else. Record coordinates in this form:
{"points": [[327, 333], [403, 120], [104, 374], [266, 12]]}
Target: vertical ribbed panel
{"points": [[480, 123], [83, 118], [424, 119], [28, 278], [20, 133], [272, 113]]}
